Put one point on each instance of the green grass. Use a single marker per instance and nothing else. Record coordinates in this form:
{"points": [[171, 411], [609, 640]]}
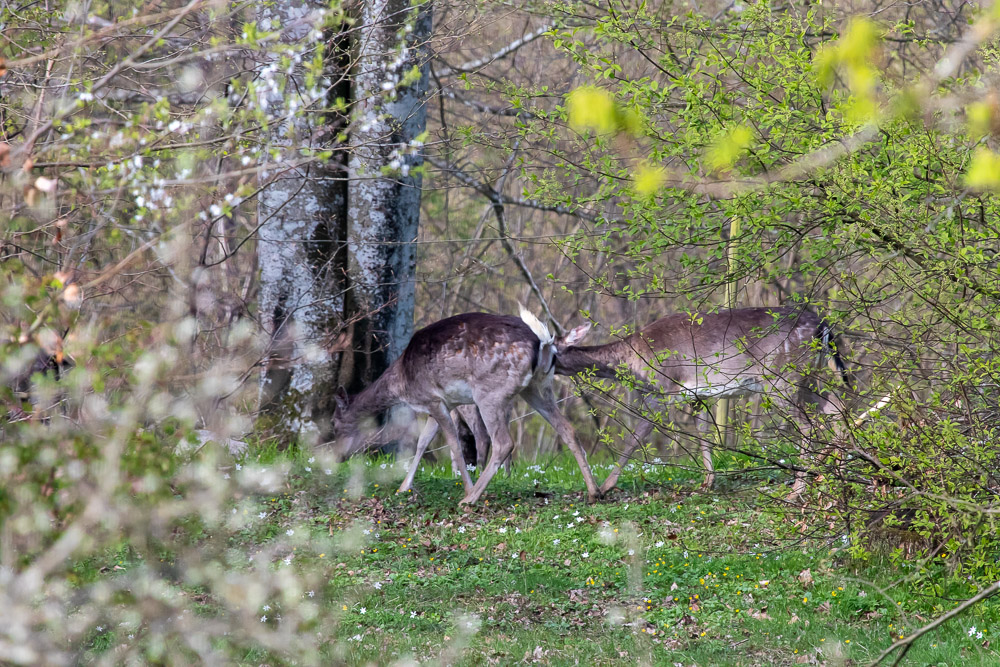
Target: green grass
{"points": [[659, 573]]}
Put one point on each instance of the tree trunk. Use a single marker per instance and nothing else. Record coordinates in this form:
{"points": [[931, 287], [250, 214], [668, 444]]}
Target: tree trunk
{"points": [[335, 252], [390, 87], [303, 216]]}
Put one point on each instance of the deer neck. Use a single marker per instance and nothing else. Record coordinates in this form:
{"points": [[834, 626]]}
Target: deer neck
{"points": [[380, 395], [602, 359]]}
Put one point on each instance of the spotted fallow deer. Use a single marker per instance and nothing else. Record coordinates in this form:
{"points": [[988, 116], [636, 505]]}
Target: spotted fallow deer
{"points": [[681, 357], [470, 359]]}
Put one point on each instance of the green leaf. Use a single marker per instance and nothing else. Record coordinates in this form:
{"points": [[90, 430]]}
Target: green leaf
{"points": [[979, 115], [649, 179], [984, 170], [728, 147], [592, 108]]}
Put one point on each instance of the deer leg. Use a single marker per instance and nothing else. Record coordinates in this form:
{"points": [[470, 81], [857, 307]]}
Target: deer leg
{"points": [[426, 435], [482, 441], [706, 461], [801, 420], [542, 400], [703, 426], [474, 420], [440, 414], [501, 447], [639, 437]]}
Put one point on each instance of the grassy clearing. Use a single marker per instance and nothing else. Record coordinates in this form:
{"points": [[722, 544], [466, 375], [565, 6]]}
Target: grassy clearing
{"points": [[661, 573]]}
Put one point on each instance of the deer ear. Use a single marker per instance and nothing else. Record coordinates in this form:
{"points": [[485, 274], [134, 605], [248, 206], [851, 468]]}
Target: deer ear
{"points": [[575, 335], [341, 398]]}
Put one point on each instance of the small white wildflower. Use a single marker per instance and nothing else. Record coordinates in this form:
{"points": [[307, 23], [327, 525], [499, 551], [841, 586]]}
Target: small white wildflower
{"points": [[555, 541], [413, 614], [631, 552], [327, 472], [86, 97], [363, 610], [288, 560], [100, 628], [660, 544], [263, 619], [586, 554], [261, 515], [215, 210], [266, 607], [972, 630], [461, 529], [289, 532], [502, 530], [377, 585], [239, 467]]}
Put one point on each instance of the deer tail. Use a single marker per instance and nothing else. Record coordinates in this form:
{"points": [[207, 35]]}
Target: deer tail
{"points": [[546, 340], [536, 325]]}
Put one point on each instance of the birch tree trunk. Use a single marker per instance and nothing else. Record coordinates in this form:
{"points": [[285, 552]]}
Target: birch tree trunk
{"points": [[302, 218], [309, 212], [390, 87]]}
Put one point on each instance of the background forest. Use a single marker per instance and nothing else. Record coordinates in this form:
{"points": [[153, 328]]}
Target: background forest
{"points": [[214, 214]]}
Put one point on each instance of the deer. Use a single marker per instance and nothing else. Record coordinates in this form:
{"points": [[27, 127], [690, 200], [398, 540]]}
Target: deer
{"points": [[475, 359], [473, 421], [682, 357]]}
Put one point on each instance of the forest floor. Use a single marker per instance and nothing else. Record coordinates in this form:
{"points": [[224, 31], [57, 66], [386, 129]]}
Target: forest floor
{"points": [[661, 573]]}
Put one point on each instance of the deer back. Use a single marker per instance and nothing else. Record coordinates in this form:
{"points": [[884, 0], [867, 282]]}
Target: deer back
{"points": [[459, 357]]}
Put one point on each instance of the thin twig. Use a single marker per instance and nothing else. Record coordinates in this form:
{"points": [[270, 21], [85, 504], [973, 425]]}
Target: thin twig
{"points": [[906, 643]]}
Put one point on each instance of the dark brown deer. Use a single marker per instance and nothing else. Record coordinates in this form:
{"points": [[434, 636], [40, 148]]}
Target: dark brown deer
{"points": [[471, 359], [681, 357]]}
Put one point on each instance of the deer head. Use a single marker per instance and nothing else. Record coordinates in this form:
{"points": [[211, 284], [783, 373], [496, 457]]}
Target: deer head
{"points": [[572, 337], [349, 439]]}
